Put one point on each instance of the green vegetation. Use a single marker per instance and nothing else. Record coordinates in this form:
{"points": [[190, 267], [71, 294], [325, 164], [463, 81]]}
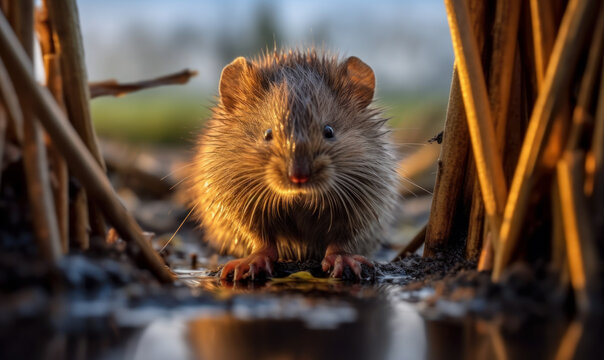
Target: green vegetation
{"points": [[414, 117], [151, 117], [174, 117]]}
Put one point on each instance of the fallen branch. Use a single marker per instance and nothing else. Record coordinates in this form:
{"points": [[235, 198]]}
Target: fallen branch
{"points": [[573, 29], [113, 88], [79, 158]]}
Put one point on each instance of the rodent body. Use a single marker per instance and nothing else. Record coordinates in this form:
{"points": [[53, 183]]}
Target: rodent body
{"points": [[294, 163]]}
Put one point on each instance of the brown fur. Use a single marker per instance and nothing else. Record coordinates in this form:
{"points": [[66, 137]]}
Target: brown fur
{"points": [[239, 186]]}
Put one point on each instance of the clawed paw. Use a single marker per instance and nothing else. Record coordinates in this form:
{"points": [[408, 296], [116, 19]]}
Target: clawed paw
{"points": [[338, 262], [248, 267]]}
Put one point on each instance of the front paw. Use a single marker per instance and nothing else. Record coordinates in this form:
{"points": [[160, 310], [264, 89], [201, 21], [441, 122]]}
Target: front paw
{"points": [[337, 262], [249, 267]]}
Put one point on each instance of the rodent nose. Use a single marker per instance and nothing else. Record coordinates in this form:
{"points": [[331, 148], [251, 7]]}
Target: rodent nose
{"points": [[299, 171]]}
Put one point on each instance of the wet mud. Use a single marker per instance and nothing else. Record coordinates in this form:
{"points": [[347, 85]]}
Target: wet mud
{"points": [[93, 307], [99, 304]]}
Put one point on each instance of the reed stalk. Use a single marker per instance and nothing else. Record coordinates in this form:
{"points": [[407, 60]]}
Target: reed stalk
{"points": [[577, 19], [35, 161], [478, 112], [67, 35], [80, 160], [453, 160]]}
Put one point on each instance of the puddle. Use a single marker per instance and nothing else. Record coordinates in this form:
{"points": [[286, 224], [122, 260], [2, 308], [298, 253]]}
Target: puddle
{"points": [[334, 320], [299, 317]]}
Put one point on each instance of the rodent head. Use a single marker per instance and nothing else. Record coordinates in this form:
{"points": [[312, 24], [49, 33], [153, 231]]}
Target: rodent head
{"points": [[304, 121]]}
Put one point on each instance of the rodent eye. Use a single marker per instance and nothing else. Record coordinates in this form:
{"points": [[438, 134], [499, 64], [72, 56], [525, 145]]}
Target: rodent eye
{"points": [[268, 135], [328, 132]]}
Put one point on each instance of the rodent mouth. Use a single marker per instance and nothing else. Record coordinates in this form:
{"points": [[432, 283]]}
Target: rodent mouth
{"points": [[279, 179], [317, 179], [286, 187]]}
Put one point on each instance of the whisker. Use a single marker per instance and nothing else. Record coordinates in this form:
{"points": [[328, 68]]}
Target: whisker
{"points": [[179, 226], [178, 183], [176, 170], [409, 144], [416, 185]]}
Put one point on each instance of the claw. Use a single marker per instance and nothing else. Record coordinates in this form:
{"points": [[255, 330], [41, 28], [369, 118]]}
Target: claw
{"points": [[325, 265], [228, 268], [338, 267], [363, 260], [338, 261], [249, 267], [251, 272], [355, 266], [238, 273], [269, 268]]}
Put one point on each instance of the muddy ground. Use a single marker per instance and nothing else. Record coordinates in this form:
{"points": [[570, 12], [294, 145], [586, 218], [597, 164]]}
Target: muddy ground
{"points": [[100, 304], [98, 307]]}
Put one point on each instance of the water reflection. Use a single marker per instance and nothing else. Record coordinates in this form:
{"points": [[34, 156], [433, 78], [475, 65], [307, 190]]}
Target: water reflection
{"points": [[296, 320], [282, 321], [333, 320]]}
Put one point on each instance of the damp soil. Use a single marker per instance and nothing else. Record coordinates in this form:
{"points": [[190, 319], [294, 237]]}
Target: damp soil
{"points": [[98, 307], [98, 304]]}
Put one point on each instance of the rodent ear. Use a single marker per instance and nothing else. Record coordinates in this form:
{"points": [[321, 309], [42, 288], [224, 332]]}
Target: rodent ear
{"points": [[234, 81], [361, 79]]}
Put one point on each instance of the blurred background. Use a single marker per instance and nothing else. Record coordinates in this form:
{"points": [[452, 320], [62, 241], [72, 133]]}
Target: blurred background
{"points": [[406, 42], [147, 137]]}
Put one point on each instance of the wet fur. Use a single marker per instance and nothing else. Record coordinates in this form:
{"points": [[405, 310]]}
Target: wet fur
{"points": [[238, 185]]}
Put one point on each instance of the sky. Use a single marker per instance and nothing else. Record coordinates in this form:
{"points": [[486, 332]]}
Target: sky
{"points": [[406, 42]]}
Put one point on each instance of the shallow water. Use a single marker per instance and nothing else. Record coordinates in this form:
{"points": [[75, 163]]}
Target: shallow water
{"points": [[294, 318], [326, 319]]}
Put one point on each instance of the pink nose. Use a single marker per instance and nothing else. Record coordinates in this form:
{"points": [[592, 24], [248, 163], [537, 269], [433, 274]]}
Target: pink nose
{"points": [[299, 170], [298, 178]]}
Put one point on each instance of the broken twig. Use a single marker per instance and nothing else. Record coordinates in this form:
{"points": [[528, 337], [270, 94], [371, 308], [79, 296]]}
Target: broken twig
{"points": [[113, 88]]}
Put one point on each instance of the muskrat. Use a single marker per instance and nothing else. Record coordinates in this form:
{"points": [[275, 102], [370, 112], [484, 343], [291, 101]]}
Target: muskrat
{"points": [[294, 164]]}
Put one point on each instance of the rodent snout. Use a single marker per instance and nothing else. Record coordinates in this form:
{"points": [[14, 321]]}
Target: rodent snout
{"points": [[299, 171]]}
